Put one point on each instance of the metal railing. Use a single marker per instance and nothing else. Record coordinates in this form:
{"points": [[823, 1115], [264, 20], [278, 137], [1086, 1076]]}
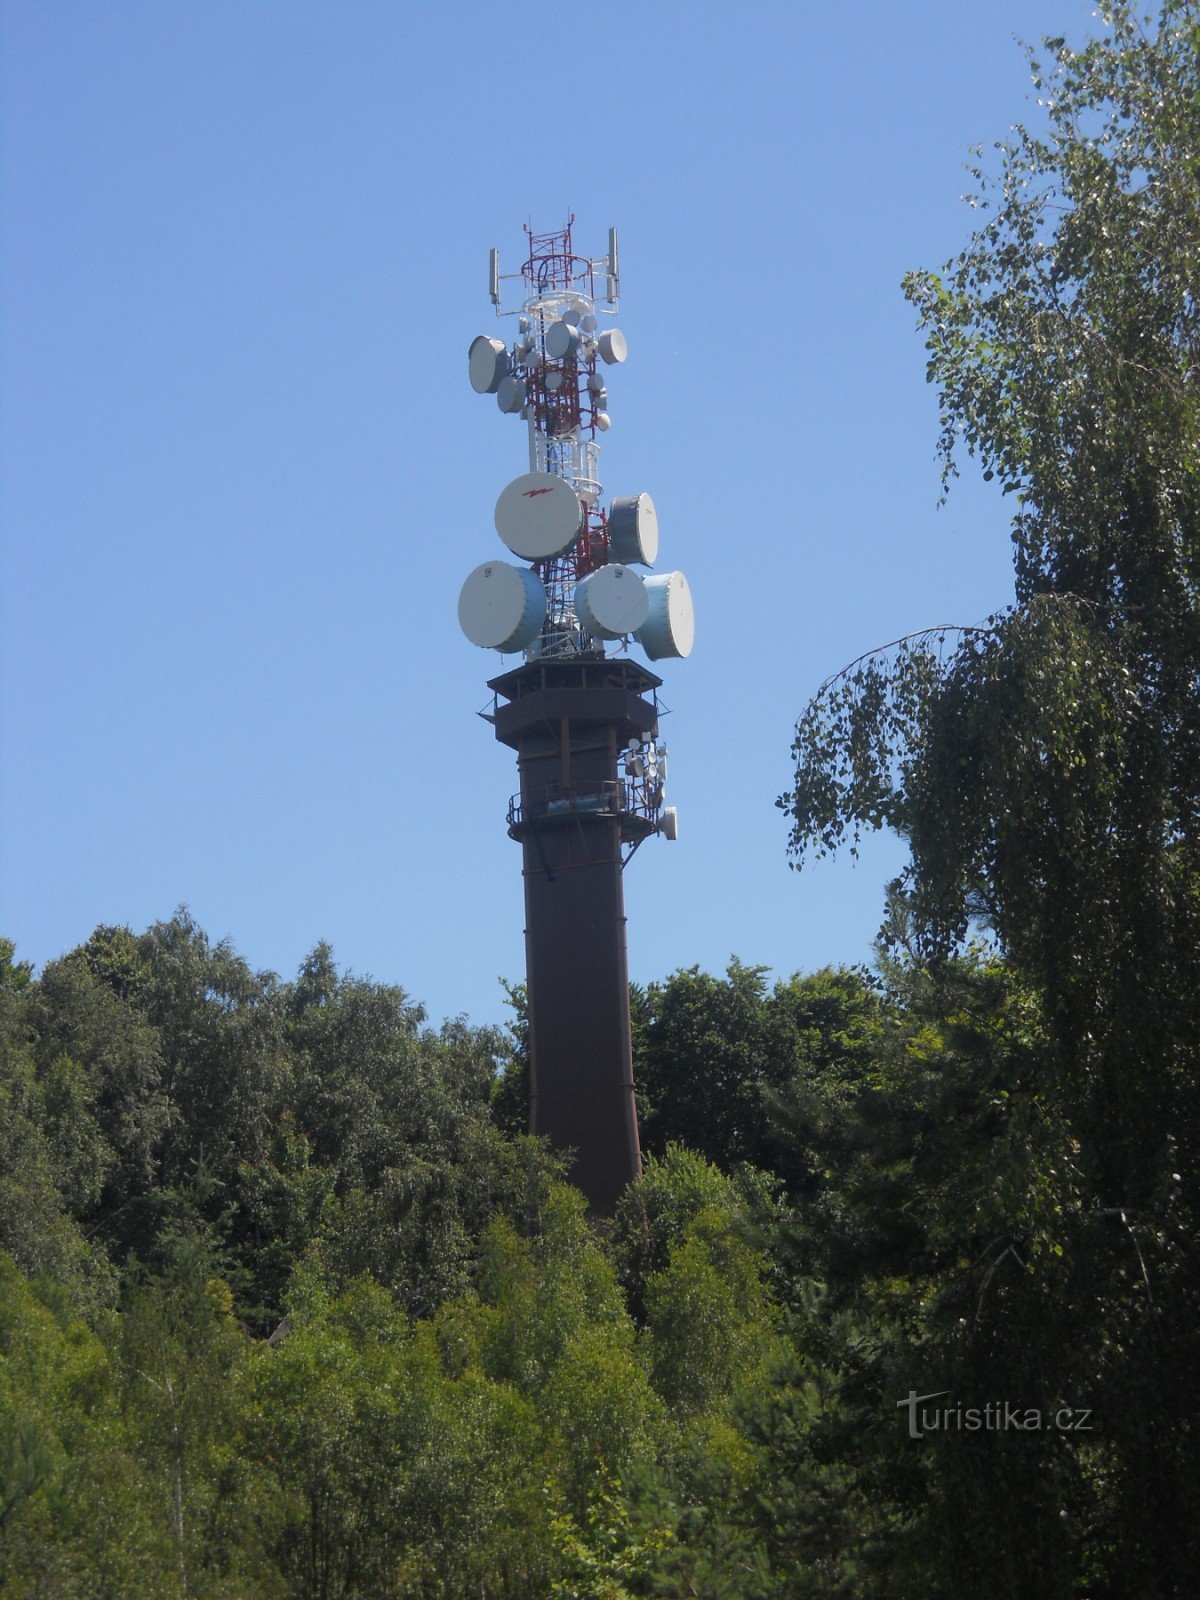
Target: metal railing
{"points": [[613, 798]]}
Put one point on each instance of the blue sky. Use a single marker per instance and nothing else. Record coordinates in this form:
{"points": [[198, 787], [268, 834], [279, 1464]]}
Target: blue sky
{"points": [[244, 474]]}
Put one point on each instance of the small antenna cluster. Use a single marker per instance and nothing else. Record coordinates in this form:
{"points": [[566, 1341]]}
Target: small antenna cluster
{"points": [[580, 590], [644, 768]]}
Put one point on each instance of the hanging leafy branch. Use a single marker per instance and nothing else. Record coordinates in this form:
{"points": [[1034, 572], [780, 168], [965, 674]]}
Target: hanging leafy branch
{"points": [[1004, 724], [852, 738]]}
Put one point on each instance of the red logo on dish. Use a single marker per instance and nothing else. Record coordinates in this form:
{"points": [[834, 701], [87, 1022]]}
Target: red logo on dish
{"points": [[532, 494]]}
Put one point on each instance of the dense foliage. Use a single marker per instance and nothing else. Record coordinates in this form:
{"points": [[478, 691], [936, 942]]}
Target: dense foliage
{"points": [[284, 1311], [1045, 770], [290, 1306]]}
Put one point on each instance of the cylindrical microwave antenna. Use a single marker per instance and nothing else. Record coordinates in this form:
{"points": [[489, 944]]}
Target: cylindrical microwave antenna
{"points": [[612, 346], [633, 530], [539, 516], [502, 607], [670, 628], [511, 394], [611, 602], [488, 363], [562, 340]]}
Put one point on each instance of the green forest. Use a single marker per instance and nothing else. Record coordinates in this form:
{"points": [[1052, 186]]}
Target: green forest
{"points": [[906, 1303]]}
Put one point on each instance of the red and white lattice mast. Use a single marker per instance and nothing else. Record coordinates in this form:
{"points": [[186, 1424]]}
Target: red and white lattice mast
{"points": [[581, 591]]}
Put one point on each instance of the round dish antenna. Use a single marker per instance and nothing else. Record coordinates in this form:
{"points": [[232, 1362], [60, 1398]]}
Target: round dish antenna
{"points": [[633, 530], [562, 341], [539, 516], [611, 602], [502, 607], [612, 346], [511, 394], [488, 362], [670, 627]]}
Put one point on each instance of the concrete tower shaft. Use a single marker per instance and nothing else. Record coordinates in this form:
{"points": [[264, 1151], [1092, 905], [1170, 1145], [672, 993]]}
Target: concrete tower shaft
{"points": [[578, 818]]}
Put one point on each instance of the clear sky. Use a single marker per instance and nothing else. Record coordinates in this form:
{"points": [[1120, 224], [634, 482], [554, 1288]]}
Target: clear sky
{"points": [[244, 474]]}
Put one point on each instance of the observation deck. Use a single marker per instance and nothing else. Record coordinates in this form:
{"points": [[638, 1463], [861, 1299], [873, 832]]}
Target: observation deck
{"points": [[632, 803], [589, 691]]}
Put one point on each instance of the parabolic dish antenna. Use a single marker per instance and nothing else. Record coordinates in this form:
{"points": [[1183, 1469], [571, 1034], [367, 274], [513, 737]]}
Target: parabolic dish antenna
{"points": [[488, 363], [562, 340], [510, 396], [611, 602], [670, 628], [633, 530], [539, 516], [612, 345], [502, 607]]}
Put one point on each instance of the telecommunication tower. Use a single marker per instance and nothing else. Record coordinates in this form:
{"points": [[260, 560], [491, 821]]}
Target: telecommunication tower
{"points": [[584, 723]]}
